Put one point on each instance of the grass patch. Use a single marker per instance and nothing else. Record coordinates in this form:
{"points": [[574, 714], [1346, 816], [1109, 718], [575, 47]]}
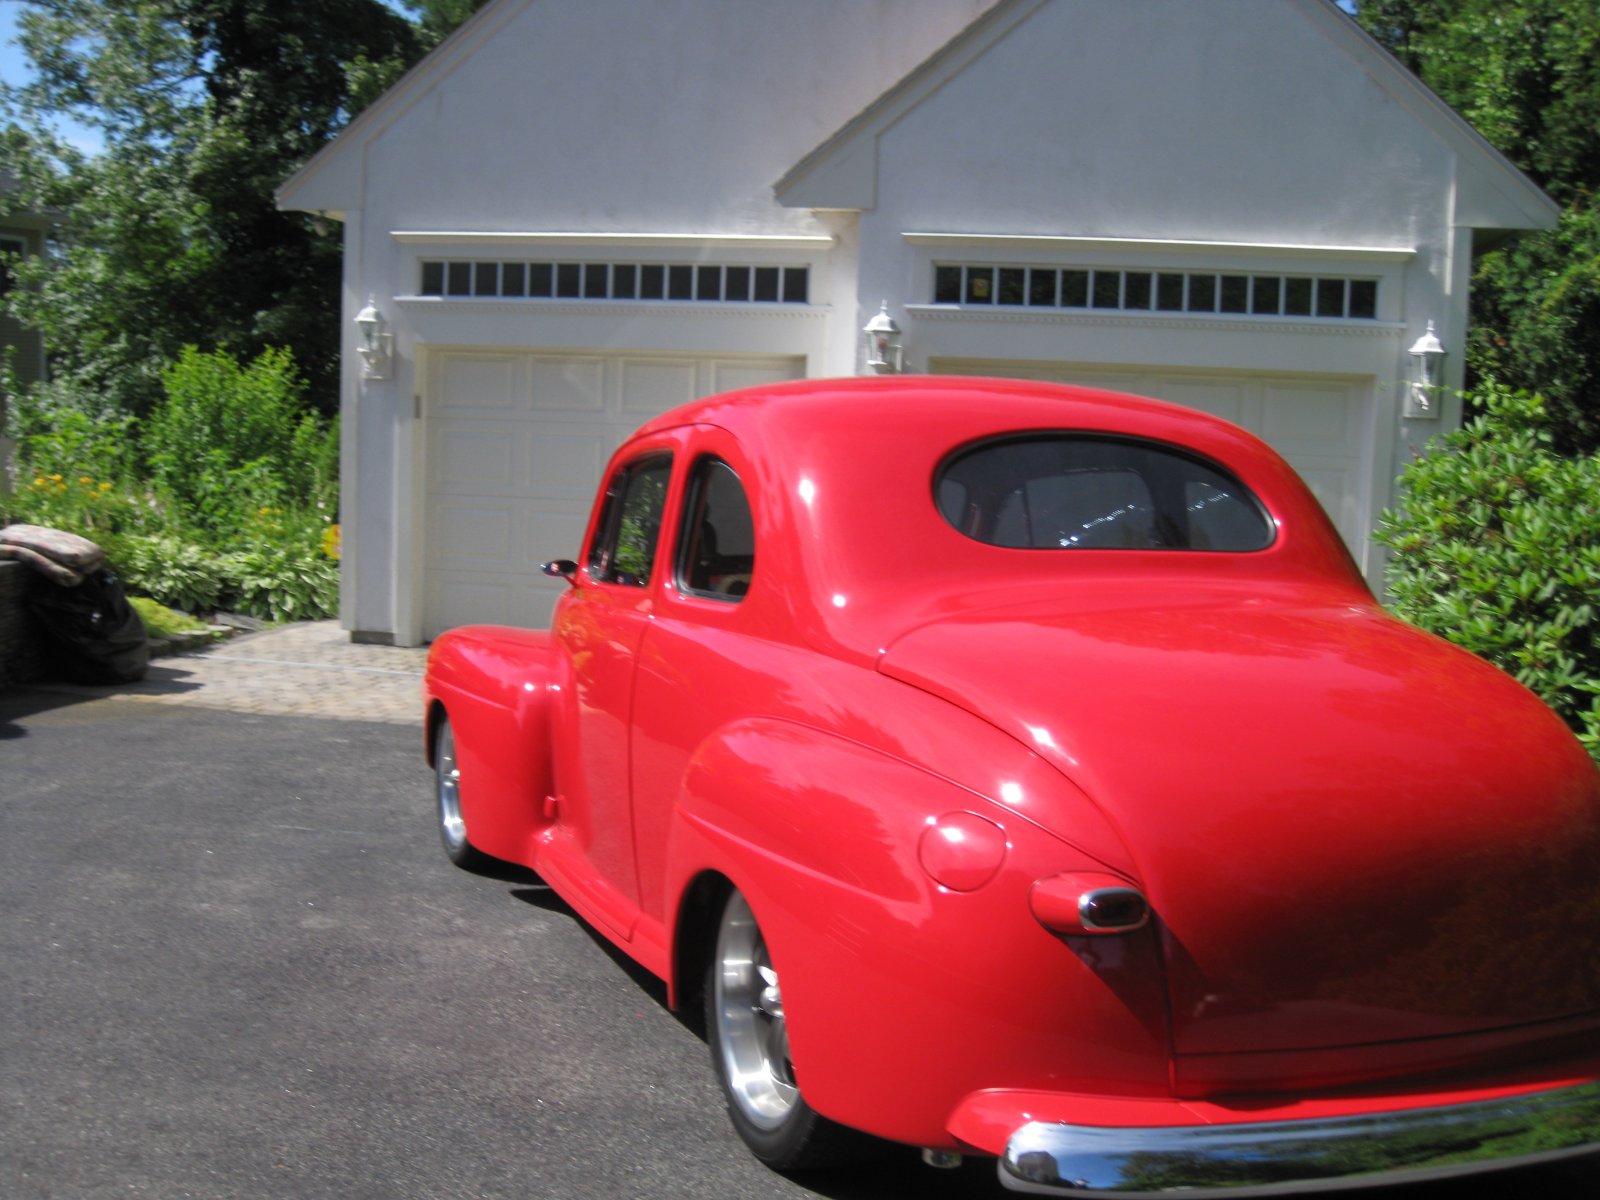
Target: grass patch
{"points": [[161, 621]]}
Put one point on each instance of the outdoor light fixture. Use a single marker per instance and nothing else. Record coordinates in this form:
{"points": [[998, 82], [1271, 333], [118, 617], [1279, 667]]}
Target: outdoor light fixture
{"points": [[884, 352], [1422, 398], [377, 344]]}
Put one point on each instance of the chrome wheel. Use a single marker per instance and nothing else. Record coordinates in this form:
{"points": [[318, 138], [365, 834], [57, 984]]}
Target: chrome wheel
{"points": [[748, 1028], [447, 777], [751, 1030]]}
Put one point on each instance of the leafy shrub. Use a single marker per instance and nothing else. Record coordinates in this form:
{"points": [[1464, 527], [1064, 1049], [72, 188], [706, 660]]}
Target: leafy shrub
{"points": [[178, 573], [225, 497], [67, 441], [282, 583], [82, 504], [226, 440], [280, 571], [1536, 321], [72, 471], [1496, 543]]}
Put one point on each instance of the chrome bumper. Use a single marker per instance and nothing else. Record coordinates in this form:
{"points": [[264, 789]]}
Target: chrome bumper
{"points": [[1312, 1155]]}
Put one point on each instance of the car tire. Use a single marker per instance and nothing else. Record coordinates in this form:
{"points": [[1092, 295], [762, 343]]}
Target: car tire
{"points": [[746, 1029], [447, 792]]}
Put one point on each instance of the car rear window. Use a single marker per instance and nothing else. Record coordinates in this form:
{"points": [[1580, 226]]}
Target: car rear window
{"points": [[1062, 491]]}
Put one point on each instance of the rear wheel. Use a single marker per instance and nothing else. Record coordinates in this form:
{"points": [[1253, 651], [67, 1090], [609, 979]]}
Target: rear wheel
{"points": [[447, 780], [749, 1038]]}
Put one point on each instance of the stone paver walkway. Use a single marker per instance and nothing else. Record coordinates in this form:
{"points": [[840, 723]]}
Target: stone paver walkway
{"points": [[308, 669]]}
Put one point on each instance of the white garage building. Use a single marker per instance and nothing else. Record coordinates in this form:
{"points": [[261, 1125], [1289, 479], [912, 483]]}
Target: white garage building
{"points": [[578, 213]]}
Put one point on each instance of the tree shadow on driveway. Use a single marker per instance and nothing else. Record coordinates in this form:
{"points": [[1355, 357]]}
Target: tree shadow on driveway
{"points": [[18, 702]]}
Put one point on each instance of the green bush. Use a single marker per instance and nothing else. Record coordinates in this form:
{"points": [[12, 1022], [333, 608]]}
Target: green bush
{"points": [[280, 570], [225, 497], [179, 573], [282, 582], [226, 441], [1496, 542], [72, 471]]}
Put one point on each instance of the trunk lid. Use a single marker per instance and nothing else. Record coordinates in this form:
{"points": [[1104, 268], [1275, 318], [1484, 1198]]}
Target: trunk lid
{"points": [[1351, 832]]}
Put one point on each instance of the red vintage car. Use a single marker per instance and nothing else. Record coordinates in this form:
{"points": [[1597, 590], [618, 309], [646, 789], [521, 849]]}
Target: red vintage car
{"points": [[1023, 770]]}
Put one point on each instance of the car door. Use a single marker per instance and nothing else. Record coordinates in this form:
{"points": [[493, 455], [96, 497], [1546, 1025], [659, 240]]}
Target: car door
{"points": [[598, 628], [705, 663]]}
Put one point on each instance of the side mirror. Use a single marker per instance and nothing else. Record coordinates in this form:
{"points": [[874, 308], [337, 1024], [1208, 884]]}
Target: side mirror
{"points": [[560, 568]]}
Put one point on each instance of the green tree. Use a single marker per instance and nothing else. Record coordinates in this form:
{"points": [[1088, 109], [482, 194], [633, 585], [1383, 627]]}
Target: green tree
{"points": [[170, 236], [1403, 25], [1537, 322], [1526, 74]]}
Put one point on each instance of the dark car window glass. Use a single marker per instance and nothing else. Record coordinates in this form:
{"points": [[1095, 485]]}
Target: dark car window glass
{"points": [[718, 556], [630, 523], [1067, 492]]}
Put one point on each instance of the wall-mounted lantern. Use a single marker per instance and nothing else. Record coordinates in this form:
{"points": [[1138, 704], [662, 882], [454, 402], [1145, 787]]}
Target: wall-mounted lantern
{"points": [[1427, 356], [377, 344], [884, 351]]}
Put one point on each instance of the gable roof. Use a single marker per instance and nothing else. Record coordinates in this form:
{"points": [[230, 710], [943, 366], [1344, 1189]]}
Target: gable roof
{"points": [[1491, 192], [814, 89], [331, 175]]}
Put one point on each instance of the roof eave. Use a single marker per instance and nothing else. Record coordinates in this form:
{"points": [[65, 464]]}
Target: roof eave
{"points": [[1491, 191], [330, 181]]}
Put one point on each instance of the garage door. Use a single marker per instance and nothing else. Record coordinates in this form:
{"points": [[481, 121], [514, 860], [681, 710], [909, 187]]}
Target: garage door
{"points": [[1323, 427], [515, 445]]}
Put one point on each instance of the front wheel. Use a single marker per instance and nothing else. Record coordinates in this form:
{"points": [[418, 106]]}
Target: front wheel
{"points": [[447, 789], [749, 1039]]}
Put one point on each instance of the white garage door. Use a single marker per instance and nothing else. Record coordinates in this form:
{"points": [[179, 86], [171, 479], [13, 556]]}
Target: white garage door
{"points": [[1323, 427], [515, 445]]}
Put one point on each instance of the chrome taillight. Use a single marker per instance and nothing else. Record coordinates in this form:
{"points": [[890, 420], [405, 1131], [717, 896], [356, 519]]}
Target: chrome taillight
{"points": [[1088, 903]]}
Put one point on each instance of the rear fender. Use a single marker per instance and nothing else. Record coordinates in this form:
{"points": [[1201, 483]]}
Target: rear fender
{"points": [[495, 685], [903, 994]]}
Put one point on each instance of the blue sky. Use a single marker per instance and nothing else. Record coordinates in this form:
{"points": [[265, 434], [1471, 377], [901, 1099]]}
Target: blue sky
{"points": [[14, 70]]}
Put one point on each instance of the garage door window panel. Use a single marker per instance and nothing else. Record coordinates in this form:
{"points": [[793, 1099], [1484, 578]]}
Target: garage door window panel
{"points": [[630, 523], [1168, 291]]}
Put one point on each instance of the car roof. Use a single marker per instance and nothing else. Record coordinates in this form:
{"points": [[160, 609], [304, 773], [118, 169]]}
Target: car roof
{"points": [[845, 471], [832, 407]]}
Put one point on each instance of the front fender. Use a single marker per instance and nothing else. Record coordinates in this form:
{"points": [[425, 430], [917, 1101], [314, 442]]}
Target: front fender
{"points": [[903, 995], [494, 684]]}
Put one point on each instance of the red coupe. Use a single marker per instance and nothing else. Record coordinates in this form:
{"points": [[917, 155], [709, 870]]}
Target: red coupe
{"points": [[1024, 770]]}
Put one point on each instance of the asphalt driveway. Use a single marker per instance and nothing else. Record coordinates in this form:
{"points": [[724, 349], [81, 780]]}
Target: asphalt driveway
{"points": [[236, 964]]}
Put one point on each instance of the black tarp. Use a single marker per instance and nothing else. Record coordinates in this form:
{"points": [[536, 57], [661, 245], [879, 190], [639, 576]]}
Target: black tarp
{"points": [[91, 633]]}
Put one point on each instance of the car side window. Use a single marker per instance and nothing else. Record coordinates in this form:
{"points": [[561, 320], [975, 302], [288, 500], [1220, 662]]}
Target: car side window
{"points": [[718, 555], [624, 549]]}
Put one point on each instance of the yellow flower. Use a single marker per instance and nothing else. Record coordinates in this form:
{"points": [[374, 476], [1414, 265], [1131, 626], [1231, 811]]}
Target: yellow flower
{"points": [[85, 480], [39, 481], [105, 487], [55, 479], [331, 537]]}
